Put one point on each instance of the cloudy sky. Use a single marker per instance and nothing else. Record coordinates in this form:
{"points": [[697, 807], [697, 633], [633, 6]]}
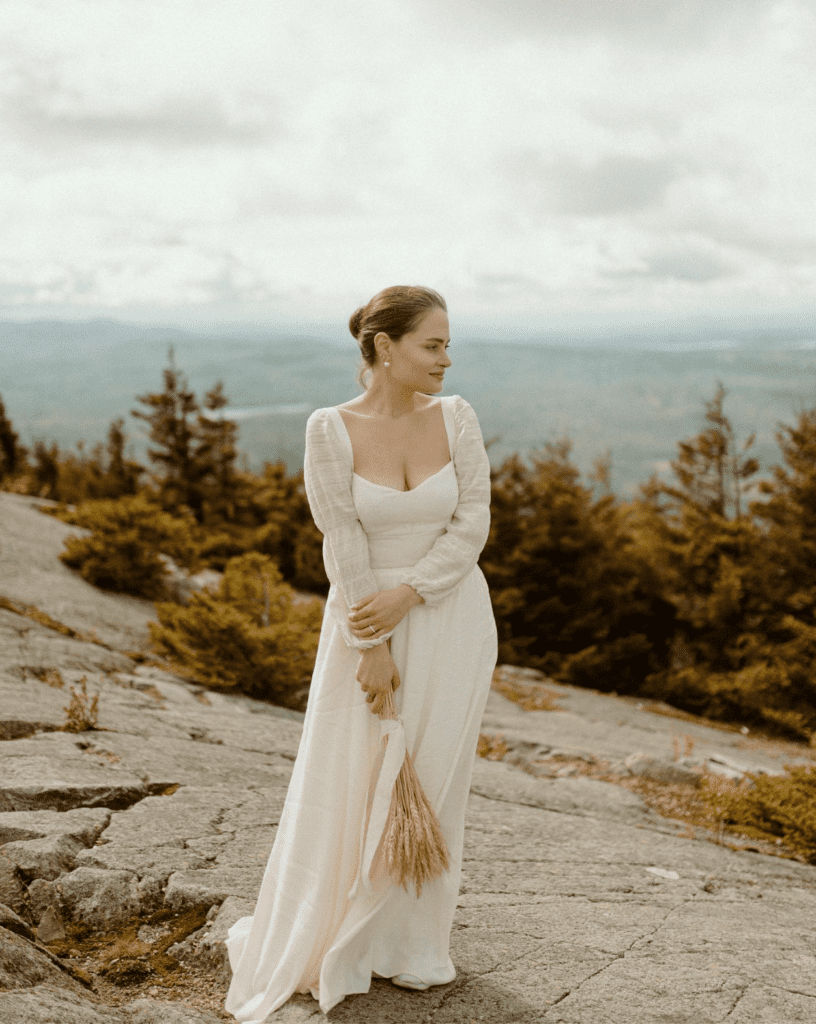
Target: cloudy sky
{"points": [[538, 161]]}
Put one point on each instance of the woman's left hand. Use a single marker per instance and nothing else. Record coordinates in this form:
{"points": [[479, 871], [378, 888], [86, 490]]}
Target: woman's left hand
{"points": [[383, 610]]}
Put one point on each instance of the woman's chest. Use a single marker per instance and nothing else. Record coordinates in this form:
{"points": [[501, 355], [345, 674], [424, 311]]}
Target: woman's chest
{"points": [[399, 454]]}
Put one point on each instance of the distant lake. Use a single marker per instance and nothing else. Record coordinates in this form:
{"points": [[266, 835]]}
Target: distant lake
{"points": [[230, 413]]}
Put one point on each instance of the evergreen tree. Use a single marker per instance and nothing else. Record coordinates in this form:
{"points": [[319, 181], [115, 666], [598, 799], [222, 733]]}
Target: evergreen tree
{"points": [[216, 450], [121, 474], [193, 447], [789, 515], [172, 432], [700, 539], [571, 595], [712, 468], [45, 469], [734, 654], [12, 454]]}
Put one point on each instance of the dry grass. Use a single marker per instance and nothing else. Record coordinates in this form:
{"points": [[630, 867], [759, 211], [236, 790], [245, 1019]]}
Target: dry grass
{"points": [[124, 967], [529, 696], [82, 712], [152, 691], [492, 747], [719, 810], [49, 676], [36, 614], [683, 746], [704, 810]]}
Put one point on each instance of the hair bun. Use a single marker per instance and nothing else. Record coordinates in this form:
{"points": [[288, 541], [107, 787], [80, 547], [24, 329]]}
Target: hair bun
{"points": [[356, 321]]}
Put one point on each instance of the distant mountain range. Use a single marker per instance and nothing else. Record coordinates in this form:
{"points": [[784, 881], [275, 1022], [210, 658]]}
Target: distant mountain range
{"points": [[634, 394]]}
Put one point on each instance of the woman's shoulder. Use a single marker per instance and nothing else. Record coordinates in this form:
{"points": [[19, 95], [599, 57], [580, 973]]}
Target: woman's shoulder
{"points": [[321, 426], [323, 415], [462, 409]]}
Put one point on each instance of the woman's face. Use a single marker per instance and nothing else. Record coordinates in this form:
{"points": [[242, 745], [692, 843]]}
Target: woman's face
{"points": [[420, 358]]}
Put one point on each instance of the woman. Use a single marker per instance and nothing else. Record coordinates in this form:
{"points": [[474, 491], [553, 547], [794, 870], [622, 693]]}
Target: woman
{"points": [[399, 484]]}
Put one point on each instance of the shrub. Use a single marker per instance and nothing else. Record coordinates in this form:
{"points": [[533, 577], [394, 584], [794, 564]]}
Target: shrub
{"points": [[122, 552], [759, 695], [248, 637], [782, 806]]}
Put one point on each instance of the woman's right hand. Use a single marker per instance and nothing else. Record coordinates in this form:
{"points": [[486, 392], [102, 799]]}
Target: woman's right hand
{"points": [[377, 675]]}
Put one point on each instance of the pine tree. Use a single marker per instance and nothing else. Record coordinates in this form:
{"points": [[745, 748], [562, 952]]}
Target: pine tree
{"points": [[121, 474], [248, 637], [216, 452], [172, 432], [701, 539], [571, 595], [128, 535], [728, 657], [12, 454], [789, 514], [787, 645], [193, 446], [45, 469]]}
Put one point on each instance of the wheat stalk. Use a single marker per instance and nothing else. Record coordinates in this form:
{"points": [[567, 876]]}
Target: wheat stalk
{"points": [[414, 847]]}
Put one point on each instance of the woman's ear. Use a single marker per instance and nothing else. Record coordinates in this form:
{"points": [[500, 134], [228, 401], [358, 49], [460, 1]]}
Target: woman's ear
{"points": [[381, 342]]}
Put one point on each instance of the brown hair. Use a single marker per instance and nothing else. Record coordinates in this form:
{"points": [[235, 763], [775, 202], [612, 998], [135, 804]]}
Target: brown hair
{"points": [[395, 311]]}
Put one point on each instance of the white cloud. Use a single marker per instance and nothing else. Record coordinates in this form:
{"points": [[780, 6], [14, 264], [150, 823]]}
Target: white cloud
{"points": [[298, 157]]}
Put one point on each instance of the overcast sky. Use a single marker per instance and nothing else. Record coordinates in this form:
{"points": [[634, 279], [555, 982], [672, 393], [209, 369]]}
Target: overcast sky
{"points": [[537, 161]]}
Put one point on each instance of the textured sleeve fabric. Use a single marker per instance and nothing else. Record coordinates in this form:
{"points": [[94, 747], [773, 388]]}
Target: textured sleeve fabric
{"points": [[457, 551], [327, 472]]}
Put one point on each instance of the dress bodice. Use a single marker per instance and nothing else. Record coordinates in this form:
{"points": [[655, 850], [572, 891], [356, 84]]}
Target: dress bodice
{"points": [[401, 526]]}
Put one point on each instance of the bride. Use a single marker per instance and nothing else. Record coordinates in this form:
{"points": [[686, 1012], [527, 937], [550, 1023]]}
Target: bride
{"points": [[398, 482]]}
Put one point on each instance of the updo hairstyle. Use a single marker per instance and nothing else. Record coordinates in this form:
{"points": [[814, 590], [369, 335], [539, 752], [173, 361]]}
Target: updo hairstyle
{"points": [[395, 311]]}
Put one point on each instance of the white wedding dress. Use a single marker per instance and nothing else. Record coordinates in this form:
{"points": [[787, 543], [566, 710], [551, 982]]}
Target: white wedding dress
{"points": [[326, 917]]}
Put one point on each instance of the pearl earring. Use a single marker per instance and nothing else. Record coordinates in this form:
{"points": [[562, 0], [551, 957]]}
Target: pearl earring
{"points": [[386, 363]]}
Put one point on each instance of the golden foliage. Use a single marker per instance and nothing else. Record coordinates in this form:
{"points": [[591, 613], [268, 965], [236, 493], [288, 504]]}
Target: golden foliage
{"points": [[492, 747], [122, 552], [250, 636], [782, 806]]}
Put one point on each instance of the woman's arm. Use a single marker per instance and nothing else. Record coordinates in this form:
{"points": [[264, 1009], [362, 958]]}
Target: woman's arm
{"points": [[327, 475], [457, 551]]}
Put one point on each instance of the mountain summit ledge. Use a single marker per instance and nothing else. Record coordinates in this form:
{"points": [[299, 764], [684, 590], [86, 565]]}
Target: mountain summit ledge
{"points": [[128, 850]]}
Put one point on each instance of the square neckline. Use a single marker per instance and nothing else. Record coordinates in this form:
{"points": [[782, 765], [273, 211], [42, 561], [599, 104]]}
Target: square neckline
{"points": [[445, 401]]}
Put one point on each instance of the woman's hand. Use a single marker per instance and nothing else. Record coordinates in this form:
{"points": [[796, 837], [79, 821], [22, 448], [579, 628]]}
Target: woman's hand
{"points": [[383, 610], [377, 675]]}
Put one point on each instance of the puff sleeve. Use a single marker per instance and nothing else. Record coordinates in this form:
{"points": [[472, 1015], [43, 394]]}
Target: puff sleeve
{"points": [[457, 551], [327, 472]]}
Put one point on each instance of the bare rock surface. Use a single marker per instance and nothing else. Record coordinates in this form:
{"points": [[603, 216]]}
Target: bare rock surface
{"points": [[615, 728], [579, 904], [47, 1005], [32, 573]]}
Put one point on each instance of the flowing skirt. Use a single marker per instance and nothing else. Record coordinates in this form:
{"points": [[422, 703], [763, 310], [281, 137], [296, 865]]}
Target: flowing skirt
{"points": [[326, 916]]}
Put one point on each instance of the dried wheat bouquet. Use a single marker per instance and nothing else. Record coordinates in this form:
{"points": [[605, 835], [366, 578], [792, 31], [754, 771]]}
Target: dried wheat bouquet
{"points": [[414, 848]]}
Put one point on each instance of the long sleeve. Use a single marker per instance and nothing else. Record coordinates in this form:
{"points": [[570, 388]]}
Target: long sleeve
{"points": [[327, 472], [457, 551]]}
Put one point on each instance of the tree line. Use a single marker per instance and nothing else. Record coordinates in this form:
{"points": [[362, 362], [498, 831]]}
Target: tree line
{"points": [[700, 591]]}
